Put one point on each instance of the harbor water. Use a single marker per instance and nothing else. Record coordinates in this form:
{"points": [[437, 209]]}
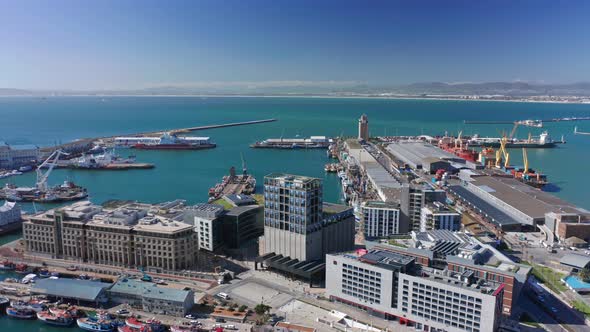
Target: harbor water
{"points": [[189, 174]]}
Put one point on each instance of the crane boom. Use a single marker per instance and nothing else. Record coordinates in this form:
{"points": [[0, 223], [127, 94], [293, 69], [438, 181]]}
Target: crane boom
{"points": [[42, 176], [525, 160]]}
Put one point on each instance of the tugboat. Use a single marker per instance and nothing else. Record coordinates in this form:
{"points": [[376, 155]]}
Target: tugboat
{"points": [[20, 312], [56, 320], [96, 324]]}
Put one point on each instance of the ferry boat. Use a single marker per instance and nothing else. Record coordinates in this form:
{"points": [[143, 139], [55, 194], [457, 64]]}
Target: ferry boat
{"points": [[168, 141], [95, 324], [21, 312], [56, 320]]}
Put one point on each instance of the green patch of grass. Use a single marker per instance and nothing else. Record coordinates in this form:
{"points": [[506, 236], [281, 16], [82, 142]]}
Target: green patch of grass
{"points": [[550, 278], [226, 205], [582, 307], [259, 199], [397, 244]]}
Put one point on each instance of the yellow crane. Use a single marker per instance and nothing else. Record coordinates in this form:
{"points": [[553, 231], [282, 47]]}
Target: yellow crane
{"points": [[504, 152], [525, 161]]}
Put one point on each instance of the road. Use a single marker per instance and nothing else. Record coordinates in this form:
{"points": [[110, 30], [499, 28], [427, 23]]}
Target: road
{"points": [[541, 307]]}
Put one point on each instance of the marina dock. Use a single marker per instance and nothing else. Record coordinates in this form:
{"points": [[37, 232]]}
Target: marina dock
{"points": [[110, 167]]}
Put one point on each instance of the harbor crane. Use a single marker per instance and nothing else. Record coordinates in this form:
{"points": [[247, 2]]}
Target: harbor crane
{"points": [[244, 169], [50, 163], [576, 132], [525, 161]]}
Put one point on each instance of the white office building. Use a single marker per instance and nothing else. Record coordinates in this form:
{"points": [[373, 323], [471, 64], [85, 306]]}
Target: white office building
{"points": [[392, 286], [380, 219], [438, 216]]}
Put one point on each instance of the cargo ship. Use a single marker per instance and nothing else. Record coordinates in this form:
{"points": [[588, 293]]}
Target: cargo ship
{"points": [[543, 141], [168, 141], [313, 142]]}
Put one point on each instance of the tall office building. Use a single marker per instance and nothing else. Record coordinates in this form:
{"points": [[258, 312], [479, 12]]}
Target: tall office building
{"points": [[293, 216], [413, 198], [363, 128], [381, 219]]}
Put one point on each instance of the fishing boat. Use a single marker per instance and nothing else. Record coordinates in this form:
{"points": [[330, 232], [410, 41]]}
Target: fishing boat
{"points": [[56, 320], [185, 328], [132, 324], [7, 265], [21, 312], [4, 302], [95, 324], [21, 268], [35, 305]]}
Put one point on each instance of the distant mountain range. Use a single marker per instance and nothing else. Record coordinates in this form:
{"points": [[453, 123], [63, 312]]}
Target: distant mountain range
{"points": [[510, 89]]}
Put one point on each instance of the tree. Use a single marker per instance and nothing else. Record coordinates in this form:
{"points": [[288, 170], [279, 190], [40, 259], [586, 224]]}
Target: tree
{"points": [[585, 274], [242, 308], [261, 309]]}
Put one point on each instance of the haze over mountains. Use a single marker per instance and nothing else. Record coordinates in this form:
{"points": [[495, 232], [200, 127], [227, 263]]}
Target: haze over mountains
{"points": [[512, 89]]}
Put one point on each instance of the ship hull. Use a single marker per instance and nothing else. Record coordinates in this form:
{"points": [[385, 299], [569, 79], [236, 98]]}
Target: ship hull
{"points": [[515, 145], [173, 146]]}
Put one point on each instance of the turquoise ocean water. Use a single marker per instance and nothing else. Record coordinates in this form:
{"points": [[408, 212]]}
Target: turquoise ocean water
{"points": [[189, 174]]}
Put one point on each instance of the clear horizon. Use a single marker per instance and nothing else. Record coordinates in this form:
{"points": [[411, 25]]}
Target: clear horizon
{"points": [[129, 45]]}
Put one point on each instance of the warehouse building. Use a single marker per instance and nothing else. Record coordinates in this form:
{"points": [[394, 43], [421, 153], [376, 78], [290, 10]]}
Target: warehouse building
{"points": [[420, 155], [527, 205], [82, 292], [14, 156], [149, 297]]}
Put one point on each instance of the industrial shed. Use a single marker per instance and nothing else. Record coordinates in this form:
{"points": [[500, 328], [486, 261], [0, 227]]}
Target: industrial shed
{"points": [[80, 291]]}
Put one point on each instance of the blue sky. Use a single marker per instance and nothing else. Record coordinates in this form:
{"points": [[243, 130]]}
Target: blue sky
{"points": [[135, 44]]}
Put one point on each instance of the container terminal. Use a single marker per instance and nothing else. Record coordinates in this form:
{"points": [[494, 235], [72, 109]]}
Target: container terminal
{"points": [[313, 142]]}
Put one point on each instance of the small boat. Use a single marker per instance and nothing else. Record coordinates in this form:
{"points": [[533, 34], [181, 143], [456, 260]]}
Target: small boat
{"points": [[4, 301], [134, 323], [29, 278], [56, 320], [95, 324], [7, 265], [21, 312], [185, 328], [36, 306], [44, 273], [21, 268]]}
